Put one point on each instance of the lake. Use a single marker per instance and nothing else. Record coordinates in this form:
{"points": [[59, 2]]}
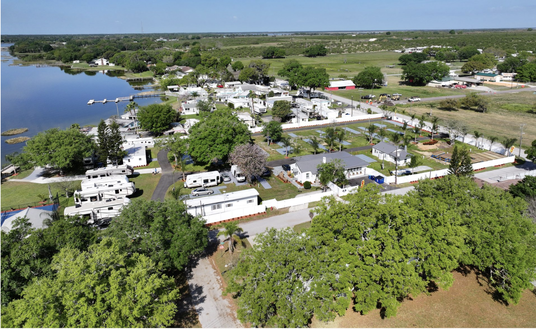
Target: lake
{"points": [[40, 98]]}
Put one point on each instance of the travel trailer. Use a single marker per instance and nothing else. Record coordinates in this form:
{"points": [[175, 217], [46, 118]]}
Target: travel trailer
{"points": [[94, 194], [104, 182], [211, 178], [109, 171], [96, 211]]}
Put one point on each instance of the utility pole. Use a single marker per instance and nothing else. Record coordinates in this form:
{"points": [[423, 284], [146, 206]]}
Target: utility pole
{"points": [[521, 126], [352, 106]]}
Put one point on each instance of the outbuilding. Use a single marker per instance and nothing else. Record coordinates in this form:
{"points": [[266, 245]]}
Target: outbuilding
{"points": [[341, 85]]}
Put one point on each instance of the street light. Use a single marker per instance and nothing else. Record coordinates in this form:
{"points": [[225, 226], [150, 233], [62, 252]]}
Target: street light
{"points": [[352, 106], [521, 126]]}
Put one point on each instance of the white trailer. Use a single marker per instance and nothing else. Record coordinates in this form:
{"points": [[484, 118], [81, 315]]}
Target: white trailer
{"points": [[104, 182], [237, 173], [99, 193], [109, 171], [96, 211], [211, 178]]}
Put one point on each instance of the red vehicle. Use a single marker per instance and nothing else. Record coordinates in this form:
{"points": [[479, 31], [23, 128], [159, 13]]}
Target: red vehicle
{"points": [[220, 86]]}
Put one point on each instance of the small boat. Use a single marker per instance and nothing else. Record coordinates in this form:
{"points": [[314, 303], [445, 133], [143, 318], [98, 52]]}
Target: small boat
{"points": [[104, 101], [91, 102]]}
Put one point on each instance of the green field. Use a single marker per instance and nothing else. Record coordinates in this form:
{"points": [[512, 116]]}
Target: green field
{"points": [[21, 194]]}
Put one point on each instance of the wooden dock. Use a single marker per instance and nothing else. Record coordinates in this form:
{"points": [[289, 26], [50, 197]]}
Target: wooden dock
{"points": [[127, 98]]}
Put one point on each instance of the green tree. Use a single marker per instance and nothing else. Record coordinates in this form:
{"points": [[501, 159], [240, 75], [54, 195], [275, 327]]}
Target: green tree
{"points": [[527, 72], [101, 287], [421, 74], [467, 52], [460, 163], [313, 78], [526, 188], [156, 118], [273, 130], [102, 145], [283, 281], [27, 252], [531, 152], [371, 130], [449, 104], [370, 76], [248, 74], [508, 143], [412, 58], [215, 136], [332, 171], [237, 66], [315, 143], [340, 135], [273, 52], [204, 107], [291, 69], [231, 231], [281, 110], [316, 50], [163, 231], [492, 139], [413, 163], [60, 148]]}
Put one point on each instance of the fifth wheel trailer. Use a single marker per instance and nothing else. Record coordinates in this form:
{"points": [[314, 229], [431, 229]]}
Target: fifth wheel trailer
{"points": [[211, 178], [109, 171]]}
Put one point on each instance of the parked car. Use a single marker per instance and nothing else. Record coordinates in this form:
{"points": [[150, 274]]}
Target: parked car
{"points": [[386, 95], [225, 177], [202, 191], [369, 96], [339, 103], [414, 99], [266, 172], [286, 167]]}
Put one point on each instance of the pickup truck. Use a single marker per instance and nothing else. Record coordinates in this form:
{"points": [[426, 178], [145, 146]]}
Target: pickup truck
{"points": [[414, 99]]}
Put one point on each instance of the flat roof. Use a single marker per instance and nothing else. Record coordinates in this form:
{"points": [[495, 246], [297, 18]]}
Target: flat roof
{"points": [[310, 162], [219, 198], [341, 83]]}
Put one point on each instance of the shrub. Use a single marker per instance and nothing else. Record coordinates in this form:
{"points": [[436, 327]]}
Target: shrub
{"points": [[307, 185]]}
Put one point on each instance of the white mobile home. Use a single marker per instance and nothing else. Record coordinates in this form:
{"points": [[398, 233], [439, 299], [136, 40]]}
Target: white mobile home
{"points": [[211, 178], [218, 208], [109, 171]]}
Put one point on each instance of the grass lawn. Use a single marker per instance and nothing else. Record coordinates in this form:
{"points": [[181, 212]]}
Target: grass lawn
{"points": [[86, 66], [145, 185], [300, 227], [20, 194], [339, 64], [467, 304], [23, 174], [506, 113]]}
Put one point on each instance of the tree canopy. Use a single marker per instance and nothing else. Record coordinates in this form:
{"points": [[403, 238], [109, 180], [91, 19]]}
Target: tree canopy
{"points": [[332, 171], [316, 50], [281, 110], [250, 159], [412, 58], [156, 118], [370, 76], [110, 143], [421, 74], [163, 231], [216, 135], [273, 130], [60, 148], [273, 52], [460, 163], [101, 287]]}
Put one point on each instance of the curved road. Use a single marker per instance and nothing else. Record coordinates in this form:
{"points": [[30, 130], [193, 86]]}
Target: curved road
{"points": [[167, 178]]}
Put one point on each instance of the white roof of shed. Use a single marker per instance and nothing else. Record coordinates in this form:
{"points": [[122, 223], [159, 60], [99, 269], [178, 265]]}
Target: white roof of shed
{"points": [[219, 198], [341, 83]]}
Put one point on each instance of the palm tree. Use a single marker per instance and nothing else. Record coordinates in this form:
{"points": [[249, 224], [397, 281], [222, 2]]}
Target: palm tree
{"points": [[231, 232], [340, 135], [382, 133], [413, 116], [330, 137], [492, 139], [406, 141], [421, 124], [130, 108], [371, 129], [396, 138], [508, 143], [477, 137], [286, 141], [416, 131], [296, 148], [435, 125], [405, 127], [315, 143]]}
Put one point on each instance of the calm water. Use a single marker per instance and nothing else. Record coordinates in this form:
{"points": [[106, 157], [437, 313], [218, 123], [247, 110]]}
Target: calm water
{"points": [[47, 97]]}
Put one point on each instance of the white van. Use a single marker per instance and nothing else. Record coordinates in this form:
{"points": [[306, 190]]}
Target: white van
{"points": [[238, 173], [211, 178]]}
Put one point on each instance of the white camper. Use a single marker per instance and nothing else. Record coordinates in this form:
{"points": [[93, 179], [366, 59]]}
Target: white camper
{"points": [[104, 182], [95, 211], [109, 171], [211, 178], [237, 173], [94, 194]]}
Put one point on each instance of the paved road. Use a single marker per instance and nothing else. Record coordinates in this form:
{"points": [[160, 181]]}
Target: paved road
{"points": [[167, 179]]}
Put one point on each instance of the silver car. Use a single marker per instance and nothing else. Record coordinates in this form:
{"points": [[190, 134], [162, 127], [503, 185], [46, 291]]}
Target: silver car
{"points": [[202, 191]]}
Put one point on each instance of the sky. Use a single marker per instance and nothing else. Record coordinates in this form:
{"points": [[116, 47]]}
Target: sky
{"points": [[178, 16]]}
